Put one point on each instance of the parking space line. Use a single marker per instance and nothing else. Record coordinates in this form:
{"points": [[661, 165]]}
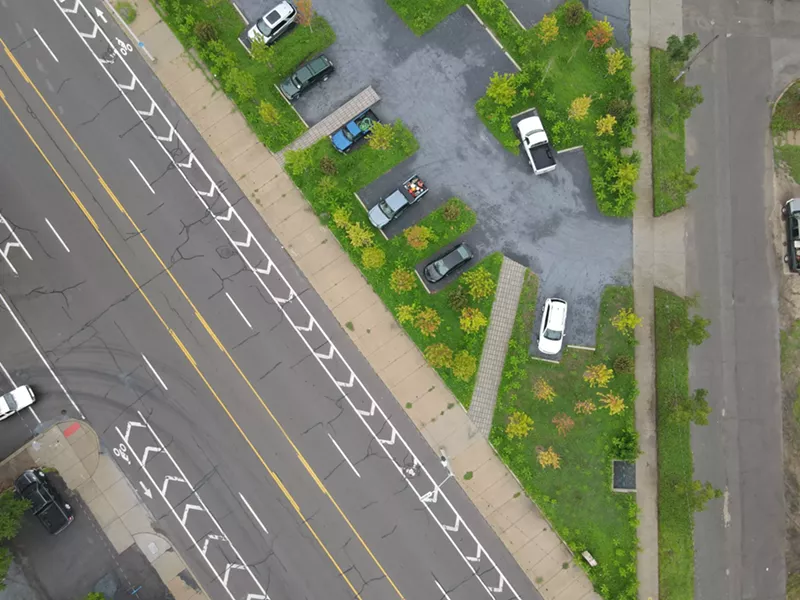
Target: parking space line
{"points": [[41, 39], [161, 381], [14, 385], [239, 310], [41, 356], [55, 233], [344, 456], [441, 589], [255, 516], [147, 183]]}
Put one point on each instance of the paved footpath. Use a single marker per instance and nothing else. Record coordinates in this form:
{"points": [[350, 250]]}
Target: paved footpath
{"points": [[436, 412], [72, 448]]}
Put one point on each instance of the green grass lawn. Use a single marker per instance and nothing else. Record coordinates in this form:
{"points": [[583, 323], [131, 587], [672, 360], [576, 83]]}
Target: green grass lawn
{"points": [[423, 15], [577, 497], [675, 468], [290, 50], [787, 112], [329, 195], [669, 134], [790, 157]]}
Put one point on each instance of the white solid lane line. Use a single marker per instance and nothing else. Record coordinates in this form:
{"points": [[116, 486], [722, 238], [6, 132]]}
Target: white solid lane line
{"points": [[344, 456], [41, 356], [13, 383], [55, 233], [255, 516], [147, 183], [239, 310], [55, 58], [441, 589], [161, 381]]}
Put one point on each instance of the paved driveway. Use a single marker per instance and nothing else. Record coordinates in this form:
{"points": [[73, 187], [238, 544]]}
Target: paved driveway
{"points": [[548, 223]]}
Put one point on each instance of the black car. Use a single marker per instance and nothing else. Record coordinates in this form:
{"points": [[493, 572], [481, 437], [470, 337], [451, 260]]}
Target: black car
{"points": [[317, 69], [444, 265], [46, 502], [791, 212]]}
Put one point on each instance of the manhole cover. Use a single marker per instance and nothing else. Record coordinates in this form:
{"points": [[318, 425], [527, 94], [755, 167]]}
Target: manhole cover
{"points": [[624, 476], [225, 251]]}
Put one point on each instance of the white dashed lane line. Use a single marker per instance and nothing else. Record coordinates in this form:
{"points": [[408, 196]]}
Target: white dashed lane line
{"points": [[41, 39], [55, 233]]}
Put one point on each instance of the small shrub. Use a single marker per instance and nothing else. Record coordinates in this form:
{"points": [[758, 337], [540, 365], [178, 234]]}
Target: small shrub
{"points": [[468, 475], [472, 320], [439, 356], [402, 280], [615, 60], [327, 165], [579, 108], [598, 375], [464, 366], [625, 321], [677, 184], [427, 321], [625, 445], [605, 125], [624, 364], [240, 83], [563, 423], [679, 49], [373, 257], [600, 34], [519, 425], [698, 494], [615, 404], [219, 56], [501, 89], [618, 107], [547, 29], [574, 13], [543, 391], [692, 409], [381, 136], [451, 210], [269, 114], [359, 236], [205, 31], [419, 236], [405, 313], [126, 10], [458, 299], [341, 217], [298, 161], [480, 283], [549, 458], [585, 407], [262, 53]]}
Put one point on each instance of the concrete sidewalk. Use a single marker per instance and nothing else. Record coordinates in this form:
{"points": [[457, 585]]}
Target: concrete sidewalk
{"points": [[436, 412], [72, 448]]}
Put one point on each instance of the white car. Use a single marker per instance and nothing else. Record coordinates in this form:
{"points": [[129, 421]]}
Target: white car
{"points": [[15, 400], [273, 24], [554, 321]]}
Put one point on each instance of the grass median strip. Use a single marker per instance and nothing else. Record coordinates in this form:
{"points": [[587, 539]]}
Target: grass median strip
{"points": [[450, 326], [559, 436], [213, 29]]}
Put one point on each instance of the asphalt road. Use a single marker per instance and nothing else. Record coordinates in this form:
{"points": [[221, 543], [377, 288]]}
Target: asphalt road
{"points": [[731, 265], [247, 453]]}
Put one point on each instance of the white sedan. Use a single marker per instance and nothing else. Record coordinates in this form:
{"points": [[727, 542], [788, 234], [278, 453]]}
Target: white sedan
{"points": [[554, 322], [15, 400]]}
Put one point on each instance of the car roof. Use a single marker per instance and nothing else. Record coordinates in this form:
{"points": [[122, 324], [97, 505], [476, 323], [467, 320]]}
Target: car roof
{"points": [[557, 315], [455, 256], [280, 12]]}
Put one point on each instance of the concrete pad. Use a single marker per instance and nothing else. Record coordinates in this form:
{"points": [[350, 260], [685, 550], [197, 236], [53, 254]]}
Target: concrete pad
{"points": [[170, 71], [179, 590], [316, 260], [464, 434], [366, 321], [514, 538], [562, 580], [356, 304], [264, 175], [242, 141], [446, 425], [74, 432], [502, 491], [121, 496], [247, 161], [351, 285], [296, 224], [500, 523], [547, 568], [84, 445], [549, 540], [162, 43], [277, 213], [336, 271], [485, 476], [62, 457], [227, 127], [407, 365], [428, 418], [106, 474], [533, 523], [88, 490], [415, 388], [146, 18], [216, 110], [118, 535], [191, 90], [381, 333], [669, 241], [576, 591], [137, 520], [529, 556], [102, 510], [75, 476], [168, 565], [310, 239], [390, 352], [153, 546], [518, 507], [472, 459]]}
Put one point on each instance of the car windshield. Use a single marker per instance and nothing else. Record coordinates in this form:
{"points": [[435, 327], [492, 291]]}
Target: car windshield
{"points": [[264, 28], [9, 400], [440, 267], [386, 209], [552, 334], [347, 134]]}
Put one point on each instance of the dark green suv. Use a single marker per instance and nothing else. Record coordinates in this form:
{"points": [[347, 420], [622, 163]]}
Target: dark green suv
{"points": [[317, 69]]}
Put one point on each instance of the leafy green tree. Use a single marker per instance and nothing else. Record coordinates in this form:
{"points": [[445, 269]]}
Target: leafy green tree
{"points": [[381, 136], [677, 184], [502, 89], [686, 98], [464, 366], [240, 83], [268, 113], [698, 494], [547, 29], [679, 49], [11, 510], [519, 425], [691, 409], [480, 283], [298, 161], [262, 53], [373, 257]]}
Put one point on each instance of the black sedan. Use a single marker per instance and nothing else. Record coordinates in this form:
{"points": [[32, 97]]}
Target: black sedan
{"points": [[444, 265], [46, 502]]}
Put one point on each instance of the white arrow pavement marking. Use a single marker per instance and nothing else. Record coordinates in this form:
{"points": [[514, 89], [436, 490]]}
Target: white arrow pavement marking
{"points": [[146, 490], [100, 15]]}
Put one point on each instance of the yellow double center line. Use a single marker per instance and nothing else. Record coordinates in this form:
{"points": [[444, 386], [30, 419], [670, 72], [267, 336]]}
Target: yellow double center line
{"points": [[206, 326]]}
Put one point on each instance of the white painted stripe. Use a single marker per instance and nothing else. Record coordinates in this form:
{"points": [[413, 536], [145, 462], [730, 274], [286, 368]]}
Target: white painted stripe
{"points": [[255, 516], [161, 381], [147, 183], [344, 456], [41, 356], [55, 58], [439, 585], [55, 233], [239, 310], [122, 22]]}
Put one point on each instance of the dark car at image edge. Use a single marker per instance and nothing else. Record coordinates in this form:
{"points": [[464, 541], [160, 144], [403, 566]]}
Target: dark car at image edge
{"points": [[45, 502], [440, 268]]}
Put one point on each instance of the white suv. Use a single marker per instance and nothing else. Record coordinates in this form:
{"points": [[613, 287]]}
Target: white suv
{"points": [[273, 24], [554, 322]]}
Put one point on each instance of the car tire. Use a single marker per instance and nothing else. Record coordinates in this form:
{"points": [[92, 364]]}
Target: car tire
{"points": [[786, 258], [784, 211]]}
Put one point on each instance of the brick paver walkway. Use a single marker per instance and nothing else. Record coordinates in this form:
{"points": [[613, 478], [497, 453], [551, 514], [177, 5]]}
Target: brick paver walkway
{"points": [[490, 371]]}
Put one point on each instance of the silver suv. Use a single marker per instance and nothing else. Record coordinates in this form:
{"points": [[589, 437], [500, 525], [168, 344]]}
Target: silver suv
{"points": [[273, 24]]}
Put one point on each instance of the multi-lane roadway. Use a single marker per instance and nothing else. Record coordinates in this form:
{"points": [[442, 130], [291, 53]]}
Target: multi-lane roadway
{"points": [[140, 290]]}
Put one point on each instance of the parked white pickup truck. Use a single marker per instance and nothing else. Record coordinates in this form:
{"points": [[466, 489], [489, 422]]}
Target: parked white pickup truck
{"points": [[537, 146]]}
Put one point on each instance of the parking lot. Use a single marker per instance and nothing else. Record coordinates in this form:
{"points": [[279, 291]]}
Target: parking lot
{"points": [[549, 223]]}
